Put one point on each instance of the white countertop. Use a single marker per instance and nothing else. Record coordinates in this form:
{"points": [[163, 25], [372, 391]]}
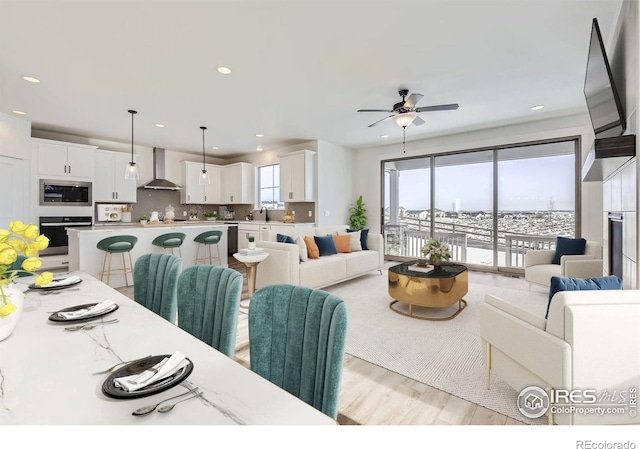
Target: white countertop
{"points": [[47, 371]]}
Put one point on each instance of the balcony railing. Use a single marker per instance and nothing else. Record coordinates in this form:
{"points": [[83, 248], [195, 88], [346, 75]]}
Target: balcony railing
{"points": [[407, 242]]}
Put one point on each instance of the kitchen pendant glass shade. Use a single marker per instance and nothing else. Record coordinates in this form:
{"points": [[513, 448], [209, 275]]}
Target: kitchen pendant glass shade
{"points": [[204, 175], [131, 171], [405, 119]]}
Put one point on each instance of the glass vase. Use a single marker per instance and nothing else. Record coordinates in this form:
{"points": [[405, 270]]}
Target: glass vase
{"points": [[9, 322]]}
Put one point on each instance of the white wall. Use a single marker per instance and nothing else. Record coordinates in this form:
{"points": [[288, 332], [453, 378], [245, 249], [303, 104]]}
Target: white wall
{"points": [[15, 149], [367, 161], [335, 167]]}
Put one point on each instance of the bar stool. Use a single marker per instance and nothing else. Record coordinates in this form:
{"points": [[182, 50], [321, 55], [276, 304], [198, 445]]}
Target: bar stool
{"points": [[169, 241], [208, 239], [117, 244]]}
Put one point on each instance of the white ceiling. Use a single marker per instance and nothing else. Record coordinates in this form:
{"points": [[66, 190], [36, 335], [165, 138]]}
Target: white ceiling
{"points": [[301, 69]]}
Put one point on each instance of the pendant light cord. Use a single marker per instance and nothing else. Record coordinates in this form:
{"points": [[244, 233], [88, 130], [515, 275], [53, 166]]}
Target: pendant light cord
{"points": [[404, 147], [203, 164], [132, 112]]}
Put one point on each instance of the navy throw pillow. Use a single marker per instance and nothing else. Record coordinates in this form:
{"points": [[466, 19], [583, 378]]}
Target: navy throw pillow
{"points": [[363, 237], [568, 247], [326, 245], [285, 238], [562, 284]]}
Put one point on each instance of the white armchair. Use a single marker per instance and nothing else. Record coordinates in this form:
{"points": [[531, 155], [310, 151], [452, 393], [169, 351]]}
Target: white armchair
{"points": [[591, 340], [538, 268]]}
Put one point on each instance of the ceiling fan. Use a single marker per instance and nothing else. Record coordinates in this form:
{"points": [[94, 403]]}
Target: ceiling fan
{"points": [[405, 112]]}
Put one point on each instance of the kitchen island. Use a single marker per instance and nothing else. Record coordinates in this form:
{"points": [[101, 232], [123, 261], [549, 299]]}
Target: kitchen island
{"points": [[85, 256]]}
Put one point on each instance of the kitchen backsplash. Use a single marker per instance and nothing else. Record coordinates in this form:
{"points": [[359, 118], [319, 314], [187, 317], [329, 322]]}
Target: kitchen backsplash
{"points": [[156, 200]]}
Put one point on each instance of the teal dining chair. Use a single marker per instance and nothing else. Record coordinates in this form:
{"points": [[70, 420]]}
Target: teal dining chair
{"points": [[155, 283], [209, 303], [296, 340], [17, 265]]}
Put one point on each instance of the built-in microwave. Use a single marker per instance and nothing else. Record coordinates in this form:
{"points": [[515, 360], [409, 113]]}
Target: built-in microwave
{"points": [[55, 192]]}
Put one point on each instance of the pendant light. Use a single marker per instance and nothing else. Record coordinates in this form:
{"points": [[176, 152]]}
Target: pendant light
{"points": [[204, 176], [132, 168]]}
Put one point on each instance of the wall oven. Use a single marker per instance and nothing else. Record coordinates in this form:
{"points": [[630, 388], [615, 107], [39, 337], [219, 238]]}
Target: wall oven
{"points": [[55, 229], [65, 193]]}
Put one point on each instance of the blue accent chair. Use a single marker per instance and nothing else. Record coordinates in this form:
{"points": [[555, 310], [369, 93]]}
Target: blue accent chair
{"points": [[297, 339], [155, 284], [208, 305]]}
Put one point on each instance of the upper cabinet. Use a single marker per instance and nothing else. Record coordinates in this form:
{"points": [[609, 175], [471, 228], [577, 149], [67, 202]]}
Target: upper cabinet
{"points": [[60, 159], [196, 193], [238, 183], [297, 176], [109, 184]]}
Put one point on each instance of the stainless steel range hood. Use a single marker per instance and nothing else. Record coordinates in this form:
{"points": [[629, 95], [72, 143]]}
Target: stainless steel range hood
{"points": [[607, 155], [159, 181]]}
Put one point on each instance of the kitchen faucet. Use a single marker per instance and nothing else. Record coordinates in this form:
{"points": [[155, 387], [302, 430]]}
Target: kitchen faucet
{"points": [[266, 213]]}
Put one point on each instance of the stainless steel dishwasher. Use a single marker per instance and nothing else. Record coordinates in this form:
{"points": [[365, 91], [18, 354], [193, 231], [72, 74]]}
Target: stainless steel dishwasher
{"points": [[232, 238]]}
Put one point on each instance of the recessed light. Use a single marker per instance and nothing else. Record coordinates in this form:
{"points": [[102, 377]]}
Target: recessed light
{"points": [[537, 108], [31, 79], [224, 70], [215, 148], [19, 112], [159, 125], [384, 136], [259, 135], [259, 149]]}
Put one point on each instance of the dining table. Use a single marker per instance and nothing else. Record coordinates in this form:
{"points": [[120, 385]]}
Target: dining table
{"points": [[48, 373]]}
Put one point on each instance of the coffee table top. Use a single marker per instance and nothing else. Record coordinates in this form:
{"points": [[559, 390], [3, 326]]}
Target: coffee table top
{"points": [[446, 270]]}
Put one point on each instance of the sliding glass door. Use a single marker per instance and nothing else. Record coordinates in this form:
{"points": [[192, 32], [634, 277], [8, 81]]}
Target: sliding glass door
{"points": [[490, 205]]}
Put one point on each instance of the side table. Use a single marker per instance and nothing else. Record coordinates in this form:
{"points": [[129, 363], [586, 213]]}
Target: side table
{"points": [[251, 262]]}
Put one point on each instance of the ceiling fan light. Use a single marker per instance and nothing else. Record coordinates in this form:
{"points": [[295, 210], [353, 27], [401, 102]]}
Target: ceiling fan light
{"points": [[405, 119]]}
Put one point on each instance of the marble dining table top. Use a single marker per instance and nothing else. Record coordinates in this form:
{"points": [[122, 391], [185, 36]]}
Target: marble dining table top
{"points": [[46, 371]]}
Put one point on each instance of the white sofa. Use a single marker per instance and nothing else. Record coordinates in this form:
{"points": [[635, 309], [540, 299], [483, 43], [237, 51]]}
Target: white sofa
{"points": [[590, 340], [284, 266], [538, 268]]}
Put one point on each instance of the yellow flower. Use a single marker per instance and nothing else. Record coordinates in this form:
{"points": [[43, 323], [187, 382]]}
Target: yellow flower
{"points": [[8, 256], [44, 278], [4, 281], [4, 234], [31, 232], [42, 242], [7, 309], [18, 245], [31, 264], [31, 249], [17, 227]]}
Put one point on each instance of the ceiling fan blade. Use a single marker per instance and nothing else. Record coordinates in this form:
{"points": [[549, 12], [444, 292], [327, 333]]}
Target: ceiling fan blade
{"points": [[413, 100], [381, 120], [374, 110], [418, 121], [440, 107]]}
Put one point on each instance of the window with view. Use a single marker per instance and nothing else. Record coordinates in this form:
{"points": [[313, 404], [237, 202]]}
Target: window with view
{"points": [[269, 187]]}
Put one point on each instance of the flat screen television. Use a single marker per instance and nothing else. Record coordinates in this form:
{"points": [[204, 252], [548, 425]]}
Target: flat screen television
{"points": [[603, 102]]}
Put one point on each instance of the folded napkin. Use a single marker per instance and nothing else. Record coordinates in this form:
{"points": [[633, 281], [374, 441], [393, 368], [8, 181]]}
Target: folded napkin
{"points": [[165, 368], [100, 307], [67, 281]]}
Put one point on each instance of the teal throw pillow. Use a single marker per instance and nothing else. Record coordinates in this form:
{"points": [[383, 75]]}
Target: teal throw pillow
{"points": [[363, 237], [568, 247], [326, 245], [562, 284]]}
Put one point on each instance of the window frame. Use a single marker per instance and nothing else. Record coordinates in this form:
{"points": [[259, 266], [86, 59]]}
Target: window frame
{"points": [[275, 184]]}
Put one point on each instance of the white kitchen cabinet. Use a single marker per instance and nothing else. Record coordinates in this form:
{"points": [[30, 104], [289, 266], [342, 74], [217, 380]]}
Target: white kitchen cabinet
{"points": [[109, 183], [61, 159], [244, 232], [196, 193], [238, 183], [297, 176]]}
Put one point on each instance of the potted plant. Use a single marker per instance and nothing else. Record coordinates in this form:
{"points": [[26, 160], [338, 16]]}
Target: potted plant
{"points": [[435, 252], [209, 215], [252, 242], [143, 219], [358, 218]]}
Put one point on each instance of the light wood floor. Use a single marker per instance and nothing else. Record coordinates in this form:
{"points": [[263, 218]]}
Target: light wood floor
{"points": [[373, 395]]}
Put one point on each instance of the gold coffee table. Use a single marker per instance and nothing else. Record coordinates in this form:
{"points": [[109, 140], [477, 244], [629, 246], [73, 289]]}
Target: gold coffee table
{"points": [[444, 286]]}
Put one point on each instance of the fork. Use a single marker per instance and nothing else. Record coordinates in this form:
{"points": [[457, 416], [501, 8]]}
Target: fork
{"points": [[88, 326]]}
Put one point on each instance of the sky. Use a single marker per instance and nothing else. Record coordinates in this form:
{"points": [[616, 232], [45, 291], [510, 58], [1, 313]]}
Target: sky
{"points": [[524, 184]]}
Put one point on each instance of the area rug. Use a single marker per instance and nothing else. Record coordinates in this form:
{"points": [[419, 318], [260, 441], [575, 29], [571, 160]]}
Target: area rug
{"points": [[446, 355]]}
